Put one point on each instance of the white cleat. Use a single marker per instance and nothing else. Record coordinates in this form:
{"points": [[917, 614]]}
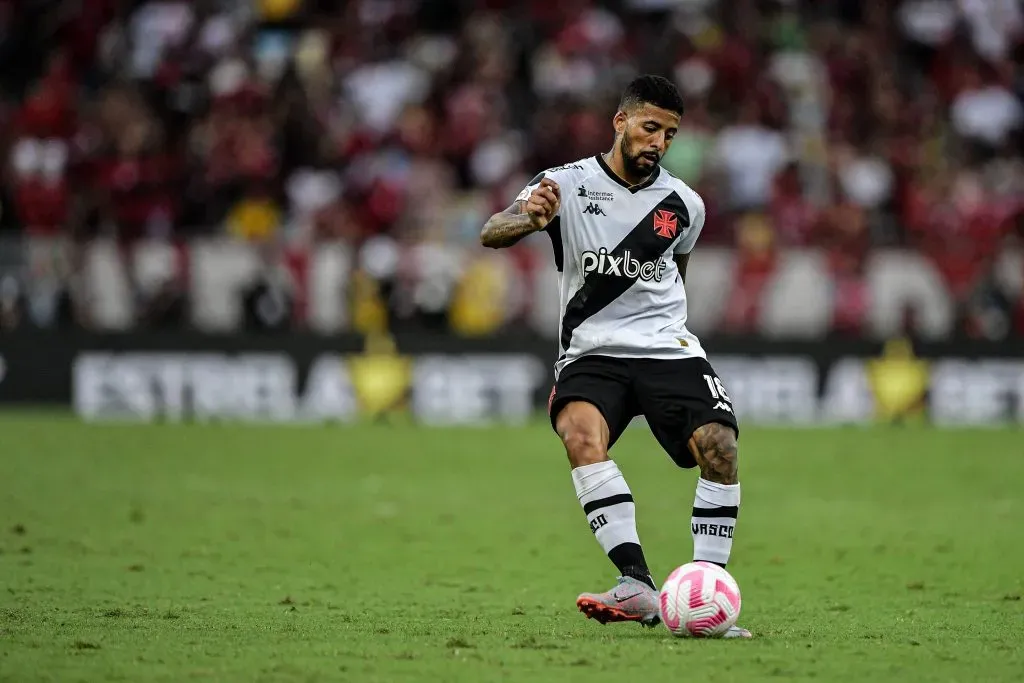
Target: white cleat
{"points": [[629, 600], [737, 632]]}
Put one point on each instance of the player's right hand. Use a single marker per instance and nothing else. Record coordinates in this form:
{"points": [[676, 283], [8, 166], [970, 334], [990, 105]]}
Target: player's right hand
{"points": [[543, 203]]}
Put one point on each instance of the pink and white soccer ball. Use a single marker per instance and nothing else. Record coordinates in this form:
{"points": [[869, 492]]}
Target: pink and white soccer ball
{"points": [[700, 600]]}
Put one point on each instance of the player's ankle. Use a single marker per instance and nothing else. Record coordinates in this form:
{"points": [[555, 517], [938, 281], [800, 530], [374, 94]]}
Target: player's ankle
{"points": [[641, 574]]}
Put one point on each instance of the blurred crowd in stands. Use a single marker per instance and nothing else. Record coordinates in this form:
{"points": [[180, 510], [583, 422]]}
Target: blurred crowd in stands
{"points": [[838, 124]]}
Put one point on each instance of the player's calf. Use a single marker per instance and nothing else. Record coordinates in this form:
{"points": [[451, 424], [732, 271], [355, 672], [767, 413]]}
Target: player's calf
{"points": [[717, 500], [601, 489]]}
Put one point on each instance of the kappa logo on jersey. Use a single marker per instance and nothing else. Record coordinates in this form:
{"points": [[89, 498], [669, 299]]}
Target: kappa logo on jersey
{"points": [[622, 266], [665, 223], [594, 209]]}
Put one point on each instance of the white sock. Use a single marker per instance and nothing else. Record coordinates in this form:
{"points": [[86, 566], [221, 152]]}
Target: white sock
{"points": [[715, 508], [608, 504]]}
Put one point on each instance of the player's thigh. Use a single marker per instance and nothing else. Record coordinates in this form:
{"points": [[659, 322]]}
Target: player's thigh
{"points": [[678, 397], [590, 388]]}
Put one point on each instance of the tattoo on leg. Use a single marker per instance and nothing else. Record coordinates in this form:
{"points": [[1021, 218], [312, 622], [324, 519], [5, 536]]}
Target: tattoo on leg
{"points": [[714, 447]]}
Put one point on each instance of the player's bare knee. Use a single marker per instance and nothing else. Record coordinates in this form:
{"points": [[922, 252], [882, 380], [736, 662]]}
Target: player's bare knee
{"points": [[717, 454], [584, 447], [583, 434]]}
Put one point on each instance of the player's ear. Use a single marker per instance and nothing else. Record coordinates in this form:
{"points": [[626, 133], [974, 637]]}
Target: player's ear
{"points": [[619, 121]]}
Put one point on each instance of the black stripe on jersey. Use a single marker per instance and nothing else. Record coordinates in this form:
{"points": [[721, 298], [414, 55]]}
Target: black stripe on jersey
{"points": [[598, 290], [554, 231], [632, 188], [607, 502], [731, 511]]}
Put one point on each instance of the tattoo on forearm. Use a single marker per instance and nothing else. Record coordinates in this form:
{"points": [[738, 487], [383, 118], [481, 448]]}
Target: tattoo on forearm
{"points": [[507, 228], [714, 447]]}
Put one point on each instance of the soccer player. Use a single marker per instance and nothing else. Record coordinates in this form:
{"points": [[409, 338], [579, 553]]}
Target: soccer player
{"points": [[622, 229]]}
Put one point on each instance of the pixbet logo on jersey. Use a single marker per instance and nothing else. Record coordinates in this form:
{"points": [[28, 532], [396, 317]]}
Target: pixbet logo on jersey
{"points": [[622, 266]]}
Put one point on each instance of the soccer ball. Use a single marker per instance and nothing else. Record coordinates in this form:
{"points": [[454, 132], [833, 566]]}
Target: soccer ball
{"points": [[699, 600]]}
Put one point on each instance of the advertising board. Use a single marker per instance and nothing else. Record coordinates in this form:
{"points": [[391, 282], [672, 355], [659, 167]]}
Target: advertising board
{"points": [[440, 380]]}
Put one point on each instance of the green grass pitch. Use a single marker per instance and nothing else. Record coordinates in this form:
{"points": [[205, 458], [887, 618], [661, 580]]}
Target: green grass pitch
{"points": [[375, 553]]}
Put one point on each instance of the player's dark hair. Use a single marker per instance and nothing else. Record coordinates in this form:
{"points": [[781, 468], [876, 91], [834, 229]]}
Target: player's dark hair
{"points": [[651, 89]]}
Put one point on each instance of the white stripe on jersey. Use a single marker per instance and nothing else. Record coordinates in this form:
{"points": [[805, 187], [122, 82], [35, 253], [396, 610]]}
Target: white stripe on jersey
{"points": [[621, 293]]}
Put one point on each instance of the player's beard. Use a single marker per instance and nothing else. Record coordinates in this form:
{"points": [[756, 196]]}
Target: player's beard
{"points": [[631, 160]]}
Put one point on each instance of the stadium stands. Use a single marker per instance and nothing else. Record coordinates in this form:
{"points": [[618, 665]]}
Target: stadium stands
{"points": [[340, 157]]}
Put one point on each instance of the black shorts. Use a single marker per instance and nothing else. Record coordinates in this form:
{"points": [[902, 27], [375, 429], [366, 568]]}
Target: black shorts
{"points": [[676, 396]]}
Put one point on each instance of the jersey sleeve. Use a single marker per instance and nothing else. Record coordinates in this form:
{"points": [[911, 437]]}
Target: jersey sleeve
{"points": [[531, 186], [697, 215], [567, 178]]}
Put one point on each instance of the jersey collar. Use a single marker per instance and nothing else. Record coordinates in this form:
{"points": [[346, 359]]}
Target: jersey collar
{"points": [[632, 188]]}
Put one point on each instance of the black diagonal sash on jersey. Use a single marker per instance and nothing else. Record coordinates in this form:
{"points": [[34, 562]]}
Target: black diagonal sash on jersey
{"points": [[644, 244]]}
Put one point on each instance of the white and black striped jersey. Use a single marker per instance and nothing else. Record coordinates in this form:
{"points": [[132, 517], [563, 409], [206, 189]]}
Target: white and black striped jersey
{"points": [[621, 293]]}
